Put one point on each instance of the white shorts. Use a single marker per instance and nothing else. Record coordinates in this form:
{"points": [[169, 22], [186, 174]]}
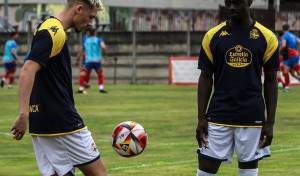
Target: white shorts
{"points": [[61, 154], [223, 140]]}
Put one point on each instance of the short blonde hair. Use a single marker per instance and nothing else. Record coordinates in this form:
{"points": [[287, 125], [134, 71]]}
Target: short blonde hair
{"points": [[97, 3], [90, 3]]}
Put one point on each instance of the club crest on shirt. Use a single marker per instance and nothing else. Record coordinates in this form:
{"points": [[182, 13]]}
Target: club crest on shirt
{"points": [[238, 56], [254, 34], [94, 149]]}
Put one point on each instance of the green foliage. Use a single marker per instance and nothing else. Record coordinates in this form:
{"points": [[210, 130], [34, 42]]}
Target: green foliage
{"points": [[22, 9], [169, 115]]}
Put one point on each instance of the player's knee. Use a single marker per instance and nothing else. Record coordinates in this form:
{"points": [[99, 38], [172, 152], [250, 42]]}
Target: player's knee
{"points": [[103, 171], [13, 71], [83, 73], [249, 165], [100, 74], [208, 165]]}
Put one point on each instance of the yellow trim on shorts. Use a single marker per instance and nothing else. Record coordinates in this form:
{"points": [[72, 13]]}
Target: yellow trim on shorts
{"points": [[240, 126], [58, 134]]}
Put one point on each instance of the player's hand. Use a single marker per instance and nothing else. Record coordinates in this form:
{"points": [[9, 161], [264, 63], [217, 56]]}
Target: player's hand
{"points": [[76, 63], [105, 58], [19, 127], [202, 132], [266, 135]]}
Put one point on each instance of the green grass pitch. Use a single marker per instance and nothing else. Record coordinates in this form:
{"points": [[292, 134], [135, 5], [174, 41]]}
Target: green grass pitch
{"points": [[169, 115]]}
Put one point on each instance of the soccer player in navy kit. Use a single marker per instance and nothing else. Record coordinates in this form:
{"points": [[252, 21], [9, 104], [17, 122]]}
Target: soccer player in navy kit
{"points": [[232, 57], [60, 138]]}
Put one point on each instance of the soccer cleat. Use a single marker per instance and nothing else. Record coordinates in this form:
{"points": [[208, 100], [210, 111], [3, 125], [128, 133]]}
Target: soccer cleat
{"points": [[2, 83], [87, 86], [81, 92], [286, 90], [103, 91]]}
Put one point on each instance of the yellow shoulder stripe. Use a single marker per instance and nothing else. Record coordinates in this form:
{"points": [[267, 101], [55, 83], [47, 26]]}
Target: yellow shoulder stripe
{"points": [[58, 35], [272, 42], [207, 38]]}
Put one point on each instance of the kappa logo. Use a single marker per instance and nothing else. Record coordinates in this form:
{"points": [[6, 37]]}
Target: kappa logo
{"points": [[254, 34], [54, 29], [224, 33]]}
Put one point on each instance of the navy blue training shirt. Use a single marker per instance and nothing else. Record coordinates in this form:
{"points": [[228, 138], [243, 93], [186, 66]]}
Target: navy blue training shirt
{"points": [[52, 110], [237, 57]]}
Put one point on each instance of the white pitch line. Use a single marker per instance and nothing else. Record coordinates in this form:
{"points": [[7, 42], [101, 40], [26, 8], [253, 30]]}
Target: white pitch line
{"points": [[2, 120], [181, 162], [148, 165], [285, 150], [9, 134]]}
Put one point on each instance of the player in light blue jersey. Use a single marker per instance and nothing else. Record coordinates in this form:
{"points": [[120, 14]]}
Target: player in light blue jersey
{"points": [[94, 50], [81, 54], [10, 59]]}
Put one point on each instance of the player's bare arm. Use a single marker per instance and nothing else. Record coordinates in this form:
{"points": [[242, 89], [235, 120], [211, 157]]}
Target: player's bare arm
{"points": [[204, 90], [270, 94], [79, 56], [13, 50], [26, 81], [103, 48], [282, 46]]}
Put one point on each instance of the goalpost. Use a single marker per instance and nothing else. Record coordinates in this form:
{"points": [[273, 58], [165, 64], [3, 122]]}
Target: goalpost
{"points": [[183, 70]]}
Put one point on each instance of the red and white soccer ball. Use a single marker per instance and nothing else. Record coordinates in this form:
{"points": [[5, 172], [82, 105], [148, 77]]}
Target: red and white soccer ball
{"points": [[129, 139]]}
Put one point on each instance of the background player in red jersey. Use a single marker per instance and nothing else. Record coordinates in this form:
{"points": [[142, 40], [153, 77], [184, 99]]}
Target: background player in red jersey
{"points": [[281, 84], [289, 49]]}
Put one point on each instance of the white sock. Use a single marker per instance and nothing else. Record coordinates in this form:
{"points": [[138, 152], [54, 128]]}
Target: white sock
{"points": [[248, 172], [3, 79], [9, 86], [202, 173], [80, 88], [101, 87]]}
